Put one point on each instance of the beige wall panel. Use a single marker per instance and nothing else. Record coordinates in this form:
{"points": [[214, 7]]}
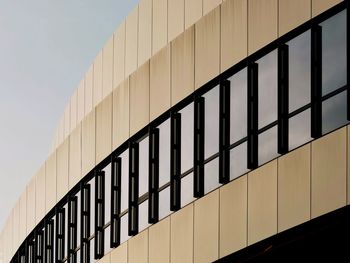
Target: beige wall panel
{"points": [[62, 169], [107, 68], [207, 48], [319, 6], [159, 242], [206, 228], [160, 83], [294, 188], [181, 235], [106, 259], [209, 5], [233, 216], [61, 130], [50, 182], [15, 226], [73, 110], [262, 202], [120, 114], [176, 18], [262, 23], [138, 248], [97, 87], [182, 66], [40, 194], [193, 12], [145, 31], [31, 205], [89, 84], [75, 157], [348, 165], [234, 32], [67, 121], [23, 216], [160, 25], [328, 176], [292, 13], [88, 143], [139, 99], [104, 129], [120, 254], [131, 42], [119, 55], [81, 101]]}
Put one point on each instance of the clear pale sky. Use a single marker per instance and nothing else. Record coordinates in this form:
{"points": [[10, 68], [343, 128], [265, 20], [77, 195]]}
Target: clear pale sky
{"points": [[46, 46]]}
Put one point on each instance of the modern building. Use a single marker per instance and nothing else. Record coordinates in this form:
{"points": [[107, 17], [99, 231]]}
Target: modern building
{"points": [[204, 130]]}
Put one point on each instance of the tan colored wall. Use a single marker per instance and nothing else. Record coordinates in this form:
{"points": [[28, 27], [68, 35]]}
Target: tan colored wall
{"points": [[123, 97]]}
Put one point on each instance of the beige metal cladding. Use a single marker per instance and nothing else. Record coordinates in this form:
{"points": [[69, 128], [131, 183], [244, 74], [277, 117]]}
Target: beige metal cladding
{"points": [[209, 5], [40, 195], [206, 228], [81, 101], [138, 248], [144, 31], [233, 216], [207, 48], [193, 12], [131, 36], [107, 68], [182, 66], [121, 116], [328, 173], [159, 242], [62, 153], [292, 13], [262, 202], [88, 145], [119, 55], [89, 84], [159, 25], [160, 83], [50, 182], [97, 79], [319, 6], [104, 129], [176, 18], [234, 32], [294, 188], [75, 156], [120, 254], [23, 217]]}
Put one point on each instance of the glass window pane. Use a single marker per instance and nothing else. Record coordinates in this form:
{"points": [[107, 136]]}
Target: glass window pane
{"points": [[125, 180], [143, 215], [107, 239], [238, 161], [211, 175], [92, 207], [143, 166], [187, 190], [124, 228], [299, 129], [334, 53], [107, 171], [78, 217], [187, 138], [211, 123], [267, 79], [92, 248], [164, 152], [268, 145], [334, 113], [299, 71], [238, 125], [164, 203]]}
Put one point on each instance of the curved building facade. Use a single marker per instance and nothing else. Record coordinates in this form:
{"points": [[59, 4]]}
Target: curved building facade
{"points": [[205, 130]]}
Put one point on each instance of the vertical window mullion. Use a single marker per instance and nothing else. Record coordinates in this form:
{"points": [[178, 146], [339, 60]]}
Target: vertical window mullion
{"points": [[49, 241], [175, 162], [115, 200], [133, 224], [153, 185], [60, 233], [283, 99], [39, 246], [72, 229], [85, 223], [252, 161], [316, 82], [198, 165], [99, 214], [224, 132]]}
